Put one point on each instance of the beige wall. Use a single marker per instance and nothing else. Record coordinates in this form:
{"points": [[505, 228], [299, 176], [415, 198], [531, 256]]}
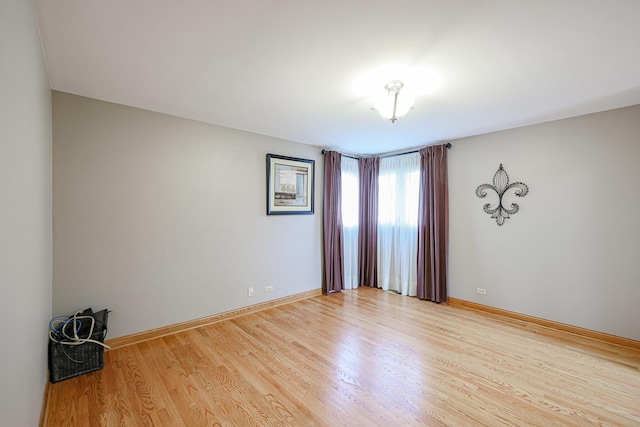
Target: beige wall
{"points": [[572, 252], [163, 220], [25, 215]]}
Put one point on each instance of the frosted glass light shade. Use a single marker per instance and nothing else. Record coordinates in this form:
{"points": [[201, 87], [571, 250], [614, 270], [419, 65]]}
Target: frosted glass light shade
{"points": [[393, 99]]}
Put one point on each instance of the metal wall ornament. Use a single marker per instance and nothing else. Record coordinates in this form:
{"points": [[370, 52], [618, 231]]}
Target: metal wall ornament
{"points": [[501, 186]]}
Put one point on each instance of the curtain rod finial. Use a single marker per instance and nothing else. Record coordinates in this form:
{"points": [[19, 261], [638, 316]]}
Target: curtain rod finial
{"points": [[448, 145]]}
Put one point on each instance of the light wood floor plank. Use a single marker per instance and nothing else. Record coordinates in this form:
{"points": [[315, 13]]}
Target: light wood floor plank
{"points": [[358, 358]]}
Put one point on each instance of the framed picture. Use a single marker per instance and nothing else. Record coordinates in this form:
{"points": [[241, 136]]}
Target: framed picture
{"points": [[289, 185]]}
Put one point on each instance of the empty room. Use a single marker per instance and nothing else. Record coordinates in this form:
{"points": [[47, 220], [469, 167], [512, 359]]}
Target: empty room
{"points": [[296, 213]]}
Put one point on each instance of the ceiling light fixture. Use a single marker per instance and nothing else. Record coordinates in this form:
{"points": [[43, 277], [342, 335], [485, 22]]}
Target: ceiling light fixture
{"points": [[391, 105]]}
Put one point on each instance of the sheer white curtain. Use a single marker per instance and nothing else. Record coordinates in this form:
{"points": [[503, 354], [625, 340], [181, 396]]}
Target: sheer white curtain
{"points": [[350, 200], [398, 223]]}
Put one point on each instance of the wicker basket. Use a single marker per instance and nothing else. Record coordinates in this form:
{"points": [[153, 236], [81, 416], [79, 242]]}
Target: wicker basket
{"points": [[68, 361]]}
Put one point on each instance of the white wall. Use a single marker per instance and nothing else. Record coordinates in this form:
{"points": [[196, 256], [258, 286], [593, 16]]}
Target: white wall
{"points": [[572, 253], [163, 220], [25, 215]]}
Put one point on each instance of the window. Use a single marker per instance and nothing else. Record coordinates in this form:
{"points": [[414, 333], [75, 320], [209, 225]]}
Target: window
{"points": [[350, 215], [398, 196], [350, 190]]}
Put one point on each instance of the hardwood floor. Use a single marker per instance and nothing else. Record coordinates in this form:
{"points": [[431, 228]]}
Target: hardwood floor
{"points": [[358, 358]]}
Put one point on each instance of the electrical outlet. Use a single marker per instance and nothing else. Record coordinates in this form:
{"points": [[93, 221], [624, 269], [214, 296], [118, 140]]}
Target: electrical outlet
{"points": [[250, 292], [481, 291], [268, 288]]}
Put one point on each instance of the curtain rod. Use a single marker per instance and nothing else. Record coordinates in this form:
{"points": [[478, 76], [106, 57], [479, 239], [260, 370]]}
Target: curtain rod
{"points": [[448, 145]]}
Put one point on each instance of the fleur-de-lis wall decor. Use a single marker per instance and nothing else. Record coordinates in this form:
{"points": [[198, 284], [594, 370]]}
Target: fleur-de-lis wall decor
{"points": [[501, 186]]}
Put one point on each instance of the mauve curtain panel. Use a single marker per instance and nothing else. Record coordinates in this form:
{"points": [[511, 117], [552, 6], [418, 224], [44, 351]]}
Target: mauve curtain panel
{"points": [[433, 224], [368, 222], [333, 273]]}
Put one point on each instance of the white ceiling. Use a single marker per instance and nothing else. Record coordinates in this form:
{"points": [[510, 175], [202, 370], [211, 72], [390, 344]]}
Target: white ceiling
{"points": [[295, 69]]}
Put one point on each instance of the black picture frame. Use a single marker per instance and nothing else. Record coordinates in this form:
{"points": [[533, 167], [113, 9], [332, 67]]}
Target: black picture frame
{"points": [[290, 185]]}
